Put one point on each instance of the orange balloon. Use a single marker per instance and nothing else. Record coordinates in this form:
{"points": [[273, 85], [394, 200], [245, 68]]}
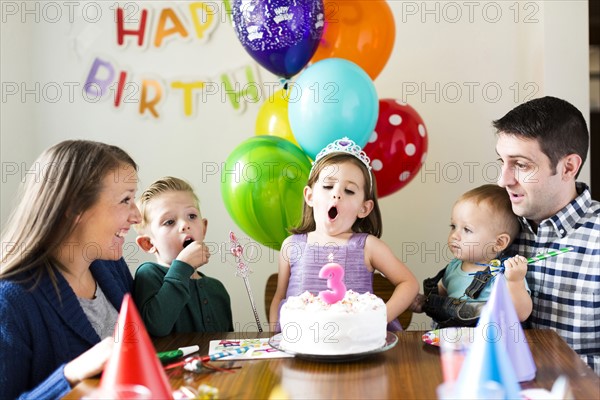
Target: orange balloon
{"points": [[360, 31]]}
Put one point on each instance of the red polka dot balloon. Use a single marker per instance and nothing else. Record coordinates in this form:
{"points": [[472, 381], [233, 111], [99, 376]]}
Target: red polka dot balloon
{"points": [[398, 146]]}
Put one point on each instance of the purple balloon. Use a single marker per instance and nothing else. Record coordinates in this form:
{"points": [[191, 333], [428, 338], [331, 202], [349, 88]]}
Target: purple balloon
{"points": [[281, 35]]}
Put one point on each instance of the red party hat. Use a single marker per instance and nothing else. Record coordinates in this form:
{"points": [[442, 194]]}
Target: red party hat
{"points": [[133, 360]]}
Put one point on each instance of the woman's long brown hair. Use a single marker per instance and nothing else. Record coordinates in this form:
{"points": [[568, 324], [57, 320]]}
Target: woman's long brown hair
{"points": [[67, 182]]}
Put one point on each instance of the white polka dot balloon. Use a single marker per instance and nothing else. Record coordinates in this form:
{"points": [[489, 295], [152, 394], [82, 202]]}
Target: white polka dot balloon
{"points": [[398, 146]]}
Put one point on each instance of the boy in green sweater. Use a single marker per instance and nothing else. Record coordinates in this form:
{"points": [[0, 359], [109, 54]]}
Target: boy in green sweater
{"points": [[171, 294]]}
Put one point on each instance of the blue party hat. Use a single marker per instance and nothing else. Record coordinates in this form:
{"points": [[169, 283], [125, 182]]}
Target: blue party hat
{"points": [[486, 372], [499, 352], [501, 314]]}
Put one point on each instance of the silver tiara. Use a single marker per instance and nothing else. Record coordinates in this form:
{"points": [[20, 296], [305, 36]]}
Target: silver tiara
{"points": [[347, 146]]}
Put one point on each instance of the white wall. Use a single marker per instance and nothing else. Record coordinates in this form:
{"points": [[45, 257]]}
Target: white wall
{"points": [[459, 64], [16, 122]]}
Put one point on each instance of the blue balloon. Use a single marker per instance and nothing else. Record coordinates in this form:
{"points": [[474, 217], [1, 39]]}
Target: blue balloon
{"points": [[281, 35], [331, 99]]}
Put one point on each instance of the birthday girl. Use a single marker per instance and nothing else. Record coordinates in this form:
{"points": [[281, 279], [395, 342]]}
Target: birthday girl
{"points": [[341, 221]]}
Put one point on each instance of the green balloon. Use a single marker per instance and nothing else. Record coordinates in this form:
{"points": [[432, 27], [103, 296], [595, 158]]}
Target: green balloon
{"points": [[262, 185]]}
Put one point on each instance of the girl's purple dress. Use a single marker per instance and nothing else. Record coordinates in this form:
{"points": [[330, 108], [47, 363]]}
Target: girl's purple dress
{"points": [[306, 260]]}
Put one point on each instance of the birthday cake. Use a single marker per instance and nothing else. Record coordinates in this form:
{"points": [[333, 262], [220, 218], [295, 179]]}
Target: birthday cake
{"points": [[355, 324]]}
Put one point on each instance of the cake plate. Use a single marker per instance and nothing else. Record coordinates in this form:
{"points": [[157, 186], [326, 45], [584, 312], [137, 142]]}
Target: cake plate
{"points": [[390, 341]]}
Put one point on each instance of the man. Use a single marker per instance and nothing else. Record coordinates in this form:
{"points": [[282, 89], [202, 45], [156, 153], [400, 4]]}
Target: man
{"points": [[542, 145]]}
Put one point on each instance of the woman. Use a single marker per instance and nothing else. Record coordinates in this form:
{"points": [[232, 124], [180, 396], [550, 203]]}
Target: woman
{"points": [[62, 275]]}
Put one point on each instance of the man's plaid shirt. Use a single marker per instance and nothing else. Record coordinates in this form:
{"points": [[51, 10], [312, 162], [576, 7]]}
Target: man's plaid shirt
{"points": [[566, 289]]}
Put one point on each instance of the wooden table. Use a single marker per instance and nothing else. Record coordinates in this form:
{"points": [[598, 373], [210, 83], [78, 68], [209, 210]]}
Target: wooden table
{"points": [[410, 370]]}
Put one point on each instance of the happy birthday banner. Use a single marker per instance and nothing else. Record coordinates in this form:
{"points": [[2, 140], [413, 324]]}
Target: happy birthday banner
{"points": [[106, 79]]}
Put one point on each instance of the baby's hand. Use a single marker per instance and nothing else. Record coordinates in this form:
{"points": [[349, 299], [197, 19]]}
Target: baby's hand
{"points": [[515, 268], [417, 304], [196, 254]]}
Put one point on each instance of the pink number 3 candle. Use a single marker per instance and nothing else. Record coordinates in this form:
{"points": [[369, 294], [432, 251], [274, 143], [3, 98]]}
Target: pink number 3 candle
{"points": [[333, 273]]}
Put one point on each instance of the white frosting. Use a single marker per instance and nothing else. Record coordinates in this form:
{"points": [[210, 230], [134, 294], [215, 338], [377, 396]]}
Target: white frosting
{"points": [[355, 324]]}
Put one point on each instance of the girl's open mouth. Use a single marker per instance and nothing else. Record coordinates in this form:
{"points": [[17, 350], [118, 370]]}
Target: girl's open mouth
{"points": [[333, 212]]}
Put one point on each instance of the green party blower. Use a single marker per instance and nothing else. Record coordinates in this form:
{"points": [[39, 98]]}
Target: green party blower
{"points": [[168, 356], [552, 253], [498, 265]]}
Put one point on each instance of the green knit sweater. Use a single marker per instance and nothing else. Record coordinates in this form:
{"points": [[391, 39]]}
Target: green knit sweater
{"points": [[169, 301]]}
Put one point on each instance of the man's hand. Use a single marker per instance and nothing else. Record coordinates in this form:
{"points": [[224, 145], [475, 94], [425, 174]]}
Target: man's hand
{"points": [[417, 304]]}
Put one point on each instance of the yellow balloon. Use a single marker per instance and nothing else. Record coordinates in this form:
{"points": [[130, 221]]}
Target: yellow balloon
{"points": [[273, 119]]}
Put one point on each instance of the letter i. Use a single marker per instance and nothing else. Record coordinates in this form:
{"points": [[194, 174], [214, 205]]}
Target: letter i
{"points": [[120, 86]]}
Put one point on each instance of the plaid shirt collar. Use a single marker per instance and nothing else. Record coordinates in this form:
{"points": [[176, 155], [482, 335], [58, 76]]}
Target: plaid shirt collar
{"points": [[565, 221]]}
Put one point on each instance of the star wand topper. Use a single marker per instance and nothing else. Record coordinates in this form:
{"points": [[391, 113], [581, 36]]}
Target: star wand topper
{"points": [[498, 265], [242, 270]]}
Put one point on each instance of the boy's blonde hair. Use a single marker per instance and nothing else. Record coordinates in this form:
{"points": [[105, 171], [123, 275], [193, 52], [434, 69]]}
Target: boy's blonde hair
{"points": [[498, 200], [161, 186]]}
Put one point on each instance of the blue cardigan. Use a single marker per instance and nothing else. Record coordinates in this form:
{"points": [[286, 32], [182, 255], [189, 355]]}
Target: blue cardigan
{"points": [[40, 333]]}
